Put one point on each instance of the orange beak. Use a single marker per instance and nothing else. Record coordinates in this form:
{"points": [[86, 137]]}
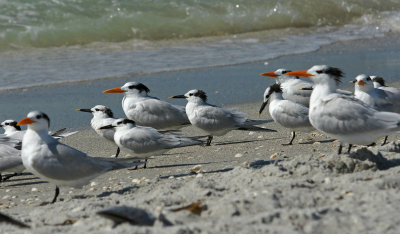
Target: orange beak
{"points": [[299, 73], [270, 74], [26, 121], [114, 90], [361, 83]]}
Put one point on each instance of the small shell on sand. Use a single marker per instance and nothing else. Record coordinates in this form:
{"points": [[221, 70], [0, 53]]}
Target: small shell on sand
{"points": [[195, 169], [238, 155], [274, 155]]}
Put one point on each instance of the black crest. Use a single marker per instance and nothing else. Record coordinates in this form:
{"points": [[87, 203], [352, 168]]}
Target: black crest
{"points": [[109, 113], [380, 80], [201, 94], [336, 72], [141, 87], [125, 121], [46, 117], [14, 124]]}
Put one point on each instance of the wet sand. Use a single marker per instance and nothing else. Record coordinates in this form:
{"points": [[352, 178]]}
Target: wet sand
{"points": [[247, 182]]}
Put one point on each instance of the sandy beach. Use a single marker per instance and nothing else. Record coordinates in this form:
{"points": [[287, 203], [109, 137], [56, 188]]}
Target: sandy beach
{"points": [[246, 182]]}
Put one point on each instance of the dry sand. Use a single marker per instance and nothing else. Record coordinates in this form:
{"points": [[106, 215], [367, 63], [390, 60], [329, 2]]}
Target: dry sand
{"points": [[247, 183]]}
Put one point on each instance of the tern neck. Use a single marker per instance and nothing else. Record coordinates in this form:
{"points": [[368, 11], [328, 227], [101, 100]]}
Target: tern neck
{"points": [[276, 96], [320, 91], [377, 85]]}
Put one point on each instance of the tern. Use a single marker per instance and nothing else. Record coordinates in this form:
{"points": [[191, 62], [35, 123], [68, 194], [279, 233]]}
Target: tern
{"points": [[58, 163], [379, 83], [149, 111], [214, 120], [344, 117], [376, 98], [293, 88], [12, 130], [144, 142], [287, 113], [102, 116]]}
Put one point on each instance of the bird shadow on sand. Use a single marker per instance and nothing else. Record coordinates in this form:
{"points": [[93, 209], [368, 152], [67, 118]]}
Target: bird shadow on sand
{"points": [[120, 192], [28, 183], [180, 165], [246, 141], [261, 163], [191, 173], [313, 141]]}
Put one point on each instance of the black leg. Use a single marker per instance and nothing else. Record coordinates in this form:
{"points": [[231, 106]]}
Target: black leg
{"points": [[291, 141], [340, 148], [145, 163], [56, 194], [1, 178], [384, 141], [118, 150], [209, 139], [9, 176], [349, 149]]}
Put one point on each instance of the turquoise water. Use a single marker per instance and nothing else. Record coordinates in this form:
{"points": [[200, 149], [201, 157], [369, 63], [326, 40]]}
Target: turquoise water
{"points": [[46, 42], [47, 23]]}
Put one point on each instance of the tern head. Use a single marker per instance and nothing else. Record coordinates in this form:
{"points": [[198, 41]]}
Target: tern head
{"points": [[36, 120], [271, 90], [194, 95], [120, 123], [362, 82], [321, 74], [99, 111], [10, 126], [131, 88], [378, 81], [278, 74]]}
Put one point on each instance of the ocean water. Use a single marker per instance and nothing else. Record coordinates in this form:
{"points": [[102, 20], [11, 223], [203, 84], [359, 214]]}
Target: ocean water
{"points": [[48, 42]]}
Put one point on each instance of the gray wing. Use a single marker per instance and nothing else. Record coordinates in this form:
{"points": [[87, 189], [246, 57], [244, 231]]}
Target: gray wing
{"points": [[291, 115], [357, 116], [159, 114], [214, 118], [11, 164]]}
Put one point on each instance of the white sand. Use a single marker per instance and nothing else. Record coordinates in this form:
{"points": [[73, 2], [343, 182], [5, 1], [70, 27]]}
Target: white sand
{"points": [[306, 188]]}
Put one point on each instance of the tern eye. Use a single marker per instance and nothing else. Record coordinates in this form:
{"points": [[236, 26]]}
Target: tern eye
{"points": [[319, 71], [7, 124], [120, 122], [39, 117], [96, 109], [131, 87], [369, 78], [190, 94]]}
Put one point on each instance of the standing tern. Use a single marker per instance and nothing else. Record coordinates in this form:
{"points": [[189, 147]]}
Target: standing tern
{"points": [[58, 163], [293, 88], [214, 120], [102, 116], [287, 113], [344, 117], [144, 142], [150, 111]]}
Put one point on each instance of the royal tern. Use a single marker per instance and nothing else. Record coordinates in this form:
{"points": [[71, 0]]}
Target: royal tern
{"points": [[287, 113], [144, 142], [214, 120], [102, 116], [150, 111], [344, 117], [58, 163], [373, 97], [293, 88]]}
